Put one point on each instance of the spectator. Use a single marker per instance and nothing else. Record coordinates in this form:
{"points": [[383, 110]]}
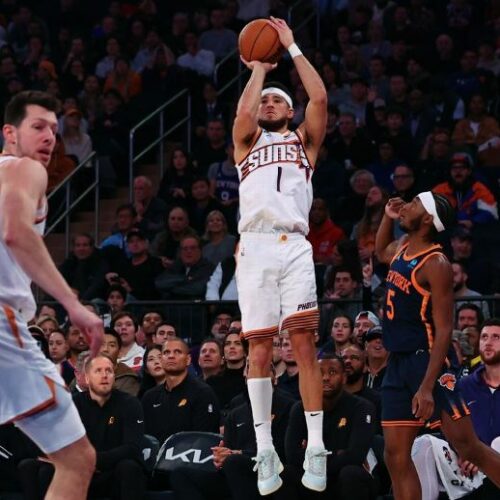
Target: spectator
{"points": [[479, 130], [208, 108], [48, 324], [177, 31], [218, 39], [288, 381], [175, 186], [221, 324], [444, 61], [219, 244], [116, 299], [376, 46], [446, 103], [473, 201], [468, 314], [420, 121], [147, 326], [76, 143], [126, 379], [146, 56], [357, 101], [137, 274], [125, 221], [222, 282], [461, 291], [114, 423], [77, 344], [211, 358], [153, 373], [466, 82], [433, 166], [213, 148], [400, 137], [166, 242], [336, 92], [201, 204], [90, 100], [364, 321], [58, 351], [365, 230], [125, 324], [183, 402], [164, 331], [79, 383], [383, 169], [376, 358], [124, 80], [107, 64], [151, 210], [197, 59], [324, 234], [349, 425], [188, 277], [340, 335], [487, 58], [85, 268]]}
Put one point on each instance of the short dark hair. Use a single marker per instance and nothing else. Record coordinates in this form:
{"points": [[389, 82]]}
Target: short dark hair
{"points": [[490, 322], [116, 288], [126, 206], [211, 340], [472, 307], [149, 311], [124, 314], [15, 111], [332, 356], [115, 334]]}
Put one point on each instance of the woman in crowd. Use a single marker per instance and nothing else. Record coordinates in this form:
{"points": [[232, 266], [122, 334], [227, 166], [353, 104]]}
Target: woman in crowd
{"points": [[58, 352], [153, 373], [219, 244]]}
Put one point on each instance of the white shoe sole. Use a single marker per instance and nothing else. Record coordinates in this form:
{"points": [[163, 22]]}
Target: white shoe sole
{"points": [[272, 484], [312, 484]]}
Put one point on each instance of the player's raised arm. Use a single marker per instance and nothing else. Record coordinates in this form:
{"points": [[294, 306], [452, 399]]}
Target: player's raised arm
{"points": [[245, 125], [314, 126], [385, 244]]}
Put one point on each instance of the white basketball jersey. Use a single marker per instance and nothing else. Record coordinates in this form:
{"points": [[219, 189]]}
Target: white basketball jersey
{"points": [[275, 185], [15, 285]]}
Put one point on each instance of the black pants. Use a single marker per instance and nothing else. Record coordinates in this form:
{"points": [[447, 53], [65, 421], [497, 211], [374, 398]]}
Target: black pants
{"points": [[352, 482], [126, 481], [235, 480]]}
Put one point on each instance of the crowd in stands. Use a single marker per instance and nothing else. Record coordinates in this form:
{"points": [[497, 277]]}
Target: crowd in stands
{"points": [[413, 105]]}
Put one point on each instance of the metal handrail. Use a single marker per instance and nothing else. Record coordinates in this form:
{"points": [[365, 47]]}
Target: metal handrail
{"points": [[161, 135], [66, 185]]}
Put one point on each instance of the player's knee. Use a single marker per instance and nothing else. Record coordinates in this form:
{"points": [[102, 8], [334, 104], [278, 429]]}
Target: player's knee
{"points": [[261, 353], [395, 457], [80, 457]]}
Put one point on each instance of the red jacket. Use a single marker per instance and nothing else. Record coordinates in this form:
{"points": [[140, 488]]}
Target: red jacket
{"points": [[324, 239]]}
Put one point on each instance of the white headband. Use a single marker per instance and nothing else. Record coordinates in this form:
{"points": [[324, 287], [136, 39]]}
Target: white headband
{"points": [[430, 207], [277, 91]]}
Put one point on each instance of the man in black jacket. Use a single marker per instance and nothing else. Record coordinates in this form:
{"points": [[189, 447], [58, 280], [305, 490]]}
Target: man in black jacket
{"points": [[349, 426], [115, 426], [183, 402]]}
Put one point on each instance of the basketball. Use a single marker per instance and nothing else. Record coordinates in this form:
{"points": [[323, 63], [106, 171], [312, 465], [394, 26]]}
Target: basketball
{"points": [[259, 41]]}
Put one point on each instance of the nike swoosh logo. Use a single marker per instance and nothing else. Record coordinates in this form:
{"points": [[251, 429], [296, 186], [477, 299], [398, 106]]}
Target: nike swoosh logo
{"points": [[314, 414], [155, 405], [140, 421], [241, 423], [471, 402], [258, 425]]}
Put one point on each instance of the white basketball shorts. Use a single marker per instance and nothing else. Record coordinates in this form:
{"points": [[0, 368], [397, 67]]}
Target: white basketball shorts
{"points": [[32, 393], [276, 284]]}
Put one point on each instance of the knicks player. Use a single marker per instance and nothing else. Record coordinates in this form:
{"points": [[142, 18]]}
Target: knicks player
{"points": [[275, 270], [419, 382], [32, 393]]}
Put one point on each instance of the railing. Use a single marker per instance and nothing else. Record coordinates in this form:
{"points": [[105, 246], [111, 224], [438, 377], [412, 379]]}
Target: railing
{"points": [[70, 204], [162, 134]]}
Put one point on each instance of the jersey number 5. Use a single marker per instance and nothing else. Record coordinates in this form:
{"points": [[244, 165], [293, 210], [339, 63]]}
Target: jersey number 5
{"points": [[390, 304]]}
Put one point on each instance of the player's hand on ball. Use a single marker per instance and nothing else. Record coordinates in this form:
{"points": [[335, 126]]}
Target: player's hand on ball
{"points": [[253, 64], [422, 405], [284, 32], [393, 207]]}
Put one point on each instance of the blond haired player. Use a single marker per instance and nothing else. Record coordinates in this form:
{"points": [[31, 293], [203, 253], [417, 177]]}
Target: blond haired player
{"points": [[275, 271], [32, 393]]}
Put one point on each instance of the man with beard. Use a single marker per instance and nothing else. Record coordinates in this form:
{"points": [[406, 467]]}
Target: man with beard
{"points": [[473, 201], [275, 167], [418, 322], [355, 367], [77, 344], [183, 402], [461, 291], [348, 432], [376, 358], [115, 426]]}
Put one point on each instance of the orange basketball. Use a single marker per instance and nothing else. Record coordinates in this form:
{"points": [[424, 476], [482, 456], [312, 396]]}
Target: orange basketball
{"points": [[259, 41]]}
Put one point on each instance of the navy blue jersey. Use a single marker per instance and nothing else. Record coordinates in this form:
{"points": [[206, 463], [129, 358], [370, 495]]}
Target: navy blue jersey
{"points": [[408, 324]]}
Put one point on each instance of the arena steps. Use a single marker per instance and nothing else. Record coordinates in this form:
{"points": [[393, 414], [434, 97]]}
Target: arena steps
{"points": [[83, 221]]}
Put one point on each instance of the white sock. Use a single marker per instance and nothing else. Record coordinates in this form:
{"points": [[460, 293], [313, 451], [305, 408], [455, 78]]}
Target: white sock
{"points": [[314, 421], [260, 391]]}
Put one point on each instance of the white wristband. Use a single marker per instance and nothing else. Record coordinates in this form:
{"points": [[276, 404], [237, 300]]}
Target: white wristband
{"points": [[294, 50]]}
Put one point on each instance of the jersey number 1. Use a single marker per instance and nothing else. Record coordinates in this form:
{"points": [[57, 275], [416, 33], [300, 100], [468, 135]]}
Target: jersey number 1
{"points": [[278, 180]]}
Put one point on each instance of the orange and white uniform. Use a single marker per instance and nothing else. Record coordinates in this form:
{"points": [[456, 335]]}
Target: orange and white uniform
{"points": [[275, 271]]}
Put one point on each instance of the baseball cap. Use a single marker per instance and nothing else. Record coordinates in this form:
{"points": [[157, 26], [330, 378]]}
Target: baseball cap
{"points": [[462, 233], [373, 333], [461, 159], [136, 232], [370, 316]]}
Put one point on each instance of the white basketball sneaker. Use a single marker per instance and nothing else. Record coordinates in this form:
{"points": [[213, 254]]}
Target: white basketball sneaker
{"points": [[314, 476], [268, 467]]}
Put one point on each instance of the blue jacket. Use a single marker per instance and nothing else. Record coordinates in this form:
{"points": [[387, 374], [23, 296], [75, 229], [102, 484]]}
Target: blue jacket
{"points": [[484, 405]]}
